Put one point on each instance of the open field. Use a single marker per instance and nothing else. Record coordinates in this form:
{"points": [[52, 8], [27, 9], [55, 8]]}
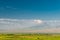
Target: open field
{"points": [[29, 36]]}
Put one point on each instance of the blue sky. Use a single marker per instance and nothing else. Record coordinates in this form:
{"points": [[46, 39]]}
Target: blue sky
{"points": [[30, 15], [30, 9]]}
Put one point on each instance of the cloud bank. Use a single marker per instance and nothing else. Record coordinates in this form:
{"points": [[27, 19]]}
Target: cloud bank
{"points": [[15, 24], [29, 24]]}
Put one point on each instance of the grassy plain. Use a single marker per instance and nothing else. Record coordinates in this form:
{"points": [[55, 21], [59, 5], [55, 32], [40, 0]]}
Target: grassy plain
{"points": [[30, 36]]}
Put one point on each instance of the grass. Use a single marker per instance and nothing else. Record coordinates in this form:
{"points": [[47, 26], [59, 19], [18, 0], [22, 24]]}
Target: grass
{"points": [[29, 36]]}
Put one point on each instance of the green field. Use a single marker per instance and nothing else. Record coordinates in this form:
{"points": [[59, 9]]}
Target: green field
{"points": [[30, 36]]}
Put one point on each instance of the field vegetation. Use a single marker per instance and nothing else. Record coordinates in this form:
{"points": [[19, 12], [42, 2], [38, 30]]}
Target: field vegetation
{"points": [[30, 36]]}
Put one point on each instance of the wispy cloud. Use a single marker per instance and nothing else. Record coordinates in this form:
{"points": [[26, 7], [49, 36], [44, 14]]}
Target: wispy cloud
{"points": [[7, 7], [10, 7]]}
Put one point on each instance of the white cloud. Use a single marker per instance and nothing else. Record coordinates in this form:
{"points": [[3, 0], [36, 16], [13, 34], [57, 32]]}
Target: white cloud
{"points": [[15, 24], [18, 24], [38, 21]]}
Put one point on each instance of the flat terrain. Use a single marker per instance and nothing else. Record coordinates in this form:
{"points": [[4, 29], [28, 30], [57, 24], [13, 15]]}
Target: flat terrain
{"points": [[30, 36]]}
